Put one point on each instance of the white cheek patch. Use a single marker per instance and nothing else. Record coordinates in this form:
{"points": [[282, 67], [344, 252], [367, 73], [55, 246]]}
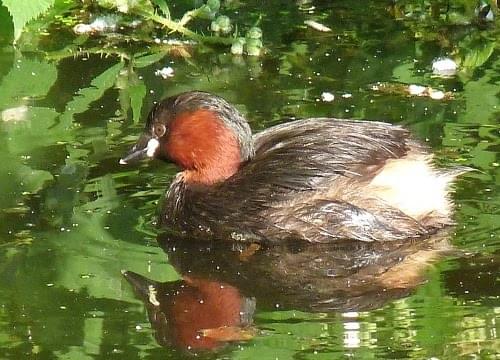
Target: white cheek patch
{"points": [[152, 146]]}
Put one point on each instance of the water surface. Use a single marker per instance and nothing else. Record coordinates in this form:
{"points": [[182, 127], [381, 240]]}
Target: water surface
{"points": [[72, 218]]}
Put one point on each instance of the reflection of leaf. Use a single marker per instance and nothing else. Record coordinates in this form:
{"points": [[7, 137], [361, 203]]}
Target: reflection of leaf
{"points": [[85, 97], [292, 58], [137, 93], [125, 6], [107, 199], [162, 5], [38, 130], [18, 179], [481, 98], [28, 78], [147, 60], [132, 92], [92, 249], [405, 73], [477, 56], [23, 11], [32, 180]]}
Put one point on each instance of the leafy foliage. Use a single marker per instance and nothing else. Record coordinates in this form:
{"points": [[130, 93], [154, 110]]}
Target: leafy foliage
{"points": [[22, 11]]}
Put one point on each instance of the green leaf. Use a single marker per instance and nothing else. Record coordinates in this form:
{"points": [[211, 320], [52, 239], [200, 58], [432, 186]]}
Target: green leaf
{"points": [[27, 78], [80, 103], [162, 4], [22, 11]]}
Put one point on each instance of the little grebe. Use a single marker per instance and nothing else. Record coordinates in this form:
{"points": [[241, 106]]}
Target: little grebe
{"points": [[318, 179]]}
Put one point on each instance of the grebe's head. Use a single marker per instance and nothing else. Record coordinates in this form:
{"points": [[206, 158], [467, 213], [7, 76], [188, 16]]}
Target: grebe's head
{"points": [[202, 133]]}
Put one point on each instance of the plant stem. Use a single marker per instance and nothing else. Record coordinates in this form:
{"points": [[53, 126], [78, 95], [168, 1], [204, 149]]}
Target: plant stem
{"points": [[71, 52], [177, 27]]}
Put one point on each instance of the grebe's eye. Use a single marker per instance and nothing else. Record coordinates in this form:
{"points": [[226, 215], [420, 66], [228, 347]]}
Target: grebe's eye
{"points": [[159, 130]]}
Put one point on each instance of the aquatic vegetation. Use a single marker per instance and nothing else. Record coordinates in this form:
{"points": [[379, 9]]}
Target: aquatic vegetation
{"points": [[119, 21]]}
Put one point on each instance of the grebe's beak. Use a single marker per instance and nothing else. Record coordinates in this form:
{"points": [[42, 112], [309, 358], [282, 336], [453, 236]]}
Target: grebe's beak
{"points": [[145, 147]]}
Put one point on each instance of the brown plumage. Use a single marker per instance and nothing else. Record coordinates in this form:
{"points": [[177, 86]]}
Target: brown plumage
{"points": [[318, 180]]}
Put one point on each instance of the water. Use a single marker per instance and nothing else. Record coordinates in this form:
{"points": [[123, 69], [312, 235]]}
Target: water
{"points": [[72, 218]]}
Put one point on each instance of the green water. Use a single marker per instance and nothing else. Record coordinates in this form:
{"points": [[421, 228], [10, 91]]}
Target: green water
{"points": [[72, 218]]}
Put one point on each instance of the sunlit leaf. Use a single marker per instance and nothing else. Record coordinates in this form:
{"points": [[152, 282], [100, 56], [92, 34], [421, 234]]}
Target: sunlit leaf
{"points": [[23, 11]]}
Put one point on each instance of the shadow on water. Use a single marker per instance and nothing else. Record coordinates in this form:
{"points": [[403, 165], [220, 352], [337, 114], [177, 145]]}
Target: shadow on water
{"points": [[222, 284]]}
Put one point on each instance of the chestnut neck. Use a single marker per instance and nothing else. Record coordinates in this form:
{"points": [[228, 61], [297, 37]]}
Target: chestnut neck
{"points": [[204, 147]]}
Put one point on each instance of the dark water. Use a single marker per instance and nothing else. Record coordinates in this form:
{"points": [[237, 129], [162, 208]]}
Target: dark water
{"points": [[72, 218]]}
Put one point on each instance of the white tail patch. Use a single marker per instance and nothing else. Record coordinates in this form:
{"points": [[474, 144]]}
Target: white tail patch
{"points": [[412, 185]]}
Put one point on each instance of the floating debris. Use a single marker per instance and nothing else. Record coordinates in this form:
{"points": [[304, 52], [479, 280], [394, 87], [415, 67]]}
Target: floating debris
{"points": [[444, 67], [317, 26], [417, 90], [436, 94], [15, 114], [247, 253], [412, 90], [166, 72], [81, 29], [327, 96], [100, 24]]}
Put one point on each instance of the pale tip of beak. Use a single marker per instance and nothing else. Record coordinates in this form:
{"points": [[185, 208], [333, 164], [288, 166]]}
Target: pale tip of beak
{"points": [[122, 162]]}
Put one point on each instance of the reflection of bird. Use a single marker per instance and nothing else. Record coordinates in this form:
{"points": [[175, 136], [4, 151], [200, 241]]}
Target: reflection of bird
{"points": [[484, 12], [194, 313], [343, 276], [317, 179]]}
